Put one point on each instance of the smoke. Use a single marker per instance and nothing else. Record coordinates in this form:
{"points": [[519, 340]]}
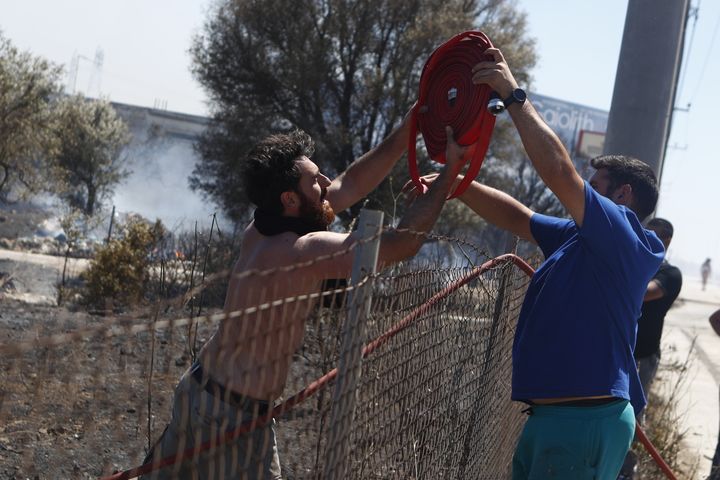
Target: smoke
{"points": [[161, 157]]}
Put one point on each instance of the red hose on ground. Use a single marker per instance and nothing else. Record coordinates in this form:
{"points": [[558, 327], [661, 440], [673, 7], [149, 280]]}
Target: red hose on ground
{"points": [[447, 96], [653, 452], [330, 376]]}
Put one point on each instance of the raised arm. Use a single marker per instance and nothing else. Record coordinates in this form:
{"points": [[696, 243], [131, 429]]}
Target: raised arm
{"points": [[424, 211], [543, 147], [366, 172]]}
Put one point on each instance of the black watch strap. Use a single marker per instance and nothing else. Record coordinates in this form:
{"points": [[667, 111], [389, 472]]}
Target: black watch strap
{"points": [[517, 96]]}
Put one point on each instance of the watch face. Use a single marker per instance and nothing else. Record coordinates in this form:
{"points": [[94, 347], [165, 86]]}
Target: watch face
{"points": [[519, 95]]}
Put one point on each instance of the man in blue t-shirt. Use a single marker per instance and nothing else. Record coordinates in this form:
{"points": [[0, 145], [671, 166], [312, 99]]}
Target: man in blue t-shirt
{"points": [[573, 349]]}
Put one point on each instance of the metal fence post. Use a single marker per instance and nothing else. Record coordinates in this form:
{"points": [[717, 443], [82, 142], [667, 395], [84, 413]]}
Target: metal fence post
{"points": [[353, 336]]}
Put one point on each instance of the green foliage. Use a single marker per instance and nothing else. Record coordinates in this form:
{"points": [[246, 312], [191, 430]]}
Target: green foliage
{"points": [[66, 145], [88, 162], [118, 275], [344, 71], [29, 86]]}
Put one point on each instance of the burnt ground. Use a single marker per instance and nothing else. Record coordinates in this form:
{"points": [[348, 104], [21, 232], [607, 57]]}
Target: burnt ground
{"points": [[86, 408], [79, 409]]}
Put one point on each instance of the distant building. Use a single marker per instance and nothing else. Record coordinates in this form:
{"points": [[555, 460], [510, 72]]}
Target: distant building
{"points": [[161, 156]]}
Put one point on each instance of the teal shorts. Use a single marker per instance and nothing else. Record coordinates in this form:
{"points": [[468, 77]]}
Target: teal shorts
{"points": [[578, 443]]}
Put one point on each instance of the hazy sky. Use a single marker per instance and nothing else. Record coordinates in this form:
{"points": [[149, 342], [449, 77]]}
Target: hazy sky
{"points": [[145, 46]]}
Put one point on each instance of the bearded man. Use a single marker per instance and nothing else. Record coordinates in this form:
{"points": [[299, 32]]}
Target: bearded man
{"points": [[243, 368]]}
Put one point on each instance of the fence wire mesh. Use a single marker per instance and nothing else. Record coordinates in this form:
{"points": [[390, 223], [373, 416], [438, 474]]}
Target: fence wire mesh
{"points": [[85, 396]]}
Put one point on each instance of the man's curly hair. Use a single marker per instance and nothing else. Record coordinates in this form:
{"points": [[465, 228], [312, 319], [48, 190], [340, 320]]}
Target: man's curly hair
{"points": [[270, 168]]}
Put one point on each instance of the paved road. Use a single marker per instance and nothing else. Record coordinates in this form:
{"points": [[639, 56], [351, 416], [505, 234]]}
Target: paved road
{"points": [[698, 404]]}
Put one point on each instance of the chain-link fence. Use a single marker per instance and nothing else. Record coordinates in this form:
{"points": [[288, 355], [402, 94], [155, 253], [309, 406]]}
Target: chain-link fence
{"points": [[86, 396]]}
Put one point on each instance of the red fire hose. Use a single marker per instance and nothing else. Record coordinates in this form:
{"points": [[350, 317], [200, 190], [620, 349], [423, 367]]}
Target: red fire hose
{"points": [[447, 96]]}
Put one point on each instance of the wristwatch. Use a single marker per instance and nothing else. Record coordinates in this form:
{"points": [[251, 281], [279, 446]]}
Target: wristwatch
{"points": [[517, 96]]}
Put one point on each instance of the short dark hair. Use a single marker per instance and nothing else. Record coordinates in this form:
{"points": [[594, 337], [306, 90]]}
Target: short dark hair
{"points": [[661, 227], [270, 168], [623, 169]]}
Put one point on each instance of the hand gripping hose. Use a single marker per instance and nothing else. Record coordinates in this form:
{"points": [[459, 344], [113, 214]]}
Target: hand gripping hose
{"points": [[447, 96]]}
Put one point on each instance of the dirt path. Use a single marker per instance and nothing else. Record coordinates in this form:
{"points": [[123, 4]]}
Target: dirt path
{"points": [[33, 277], [76, 264]]}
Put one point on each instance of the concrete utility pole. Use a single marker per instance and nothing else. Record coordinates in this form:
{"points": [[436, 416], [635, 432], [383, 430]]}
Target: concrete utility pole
{"points": [[646, 79]]}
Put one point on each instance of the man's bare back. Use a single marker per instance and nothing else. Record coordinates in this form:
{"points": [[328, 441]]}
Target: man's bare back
{"points": [[251, 354]]}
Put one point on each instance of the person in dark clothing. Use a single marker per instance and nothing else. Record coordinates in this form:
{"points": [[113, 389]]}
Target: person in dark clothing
{"points": [[662, 291]]}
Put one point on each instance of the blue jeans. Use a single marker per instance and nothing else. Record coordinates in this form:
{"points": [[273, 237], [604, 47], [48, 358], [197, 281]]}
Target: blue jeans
{"points": [[574, 443]]}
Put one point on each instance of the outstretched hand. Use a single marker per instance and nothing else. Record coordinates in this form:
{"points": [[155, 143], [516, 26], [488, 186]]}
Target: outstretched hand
{"points": [[495, 73], [412, 191], [454, 161]]}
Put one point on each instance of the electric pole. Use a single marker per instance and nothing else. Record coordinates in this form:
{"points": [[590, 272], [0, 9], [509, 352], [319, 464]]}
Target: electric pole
{"points": [[646, 80]]}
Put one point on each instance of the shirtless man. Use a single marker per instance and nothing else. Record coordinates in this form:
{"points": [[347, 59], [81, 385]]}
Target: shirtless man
{"points": [[243, 368]]}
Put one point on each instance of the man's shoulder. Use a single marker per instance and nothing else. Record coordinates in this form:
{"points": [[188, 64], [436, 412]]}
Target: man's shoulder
{"points": [[669, 277], [610, 218], [667, 270], [613, 227], [256, 240], [670, 268], [266, 252]]}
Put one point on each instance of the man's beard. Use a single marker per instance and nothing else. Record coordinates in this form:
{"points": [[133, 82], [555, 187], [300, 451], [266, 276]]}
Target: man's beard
{"points": [[318, 216]]}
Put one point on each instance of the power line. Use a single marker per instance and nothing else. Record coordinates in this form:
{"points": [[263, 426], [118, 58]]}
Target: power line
{"points": [[694, 13], [707, 58]]}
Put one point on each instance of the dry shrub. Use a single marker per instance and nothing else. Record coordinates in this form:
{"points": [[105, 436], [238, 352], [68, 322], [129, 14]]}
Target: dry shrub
{"points": [[118, 276]]}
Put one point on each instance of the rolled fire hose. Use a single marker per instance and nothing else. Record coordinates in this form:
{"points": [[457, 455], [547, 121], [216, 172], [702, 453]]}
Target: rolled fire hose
{"points": [[447, 96]]}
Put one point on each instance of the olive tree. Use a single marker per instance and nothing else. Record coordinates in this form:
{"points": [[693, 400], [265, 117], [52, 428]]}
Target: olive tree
{"points": [[345, 71]]}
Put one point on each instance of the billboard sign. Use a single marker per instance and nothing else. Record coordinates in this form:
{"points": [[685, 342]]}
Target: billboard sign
{"points": [[581, 128]]}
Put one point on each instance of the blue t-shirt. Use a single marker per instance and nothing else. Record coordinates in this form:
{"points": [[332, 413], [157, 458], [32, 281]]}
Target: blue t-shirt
{"points": [[577, 326]]}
